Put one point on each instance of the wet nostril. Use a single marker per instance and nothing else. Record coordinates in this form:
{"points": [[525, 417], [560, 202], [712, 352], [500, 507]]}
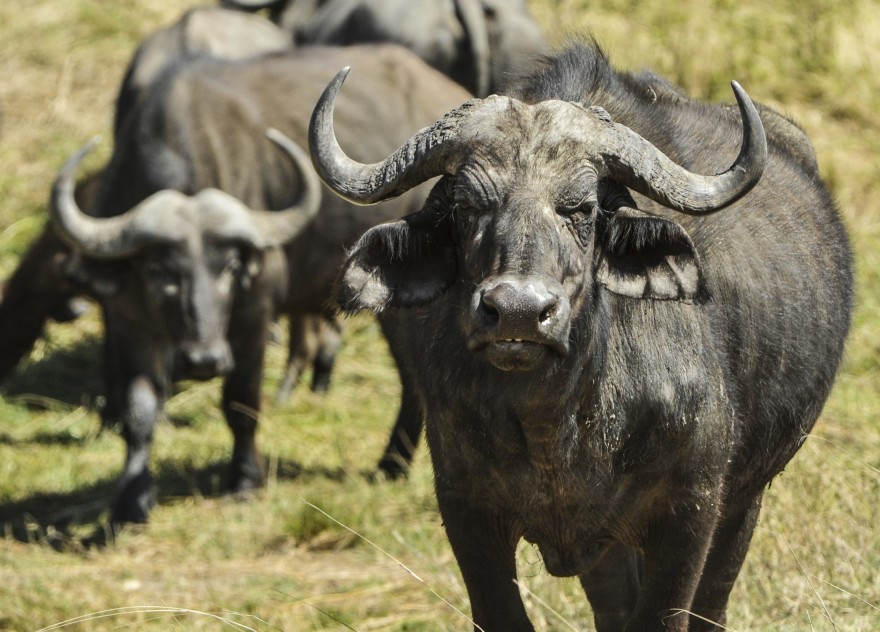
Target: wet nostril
{"points": [[548, 309], [488, 307]]}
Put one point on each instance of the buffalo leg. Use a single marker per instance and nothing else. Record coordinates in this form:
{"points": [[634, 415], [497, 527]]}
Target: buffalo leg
{"points": [[612, 587], [484, 545], [134, 492], [301, 348], [404, 436], [673, 560], [329, 340], [407, 428], [314, 339], [34, 293], [729, 547], [241, 406], [135, 389]]}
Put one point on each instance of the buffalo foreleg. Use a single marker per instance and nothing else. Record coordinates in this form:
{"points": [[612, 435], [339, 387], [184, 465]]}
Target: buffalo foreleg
{"points": [[407, 428], [484, 544], [136, 394], [612, 587], [404, 436], [36, 291], [674, 554], [329, 332], [241, 406], [313, 339], [729, 547], [134, 492]]}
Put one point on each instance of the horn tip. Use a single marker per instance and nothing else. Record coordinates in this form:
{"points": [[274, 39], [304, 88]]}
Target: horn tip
{"points": [[341, 75]]}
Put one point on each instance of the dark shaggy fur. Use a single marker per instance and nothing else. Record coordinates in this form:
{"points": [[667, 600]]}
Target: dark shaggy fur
{"points": [[631, 442]]}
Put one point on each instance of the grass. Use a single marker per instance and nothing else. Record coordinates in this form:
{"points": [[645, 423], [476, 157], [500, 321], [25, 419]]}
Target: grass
{"points": [[289, 558]]}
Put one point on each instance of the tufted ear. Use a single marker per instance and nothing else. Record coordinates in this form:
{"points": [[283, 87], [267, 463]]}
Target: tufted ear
{"points": [[403, 263], [643, 256]]}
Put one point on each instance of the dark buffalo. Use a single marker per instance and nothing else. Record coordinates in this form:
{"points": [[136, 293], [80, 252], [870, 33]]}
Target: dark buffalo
{"points": [[36, 290], [479, 43], [224, 34], [187, 291], [200, 31], [186, 276], [609, 368]]}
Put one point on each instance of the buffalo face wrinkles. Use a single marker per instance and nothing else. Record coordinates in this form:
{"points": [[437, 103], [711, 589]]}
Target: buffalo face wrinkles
{"points": [[517, 251]]}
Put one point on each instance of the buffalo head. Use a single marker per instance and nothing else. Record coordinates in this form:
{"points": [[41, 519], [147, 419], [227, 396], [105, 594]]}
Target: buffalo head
{"points": [[174, 262], [533, 210]]}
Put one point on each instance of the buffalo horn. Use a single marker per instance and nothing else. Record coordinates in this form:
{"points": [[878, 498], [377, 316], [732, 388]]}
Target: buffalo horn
{"points": [[433, 151], [159, 218], [250, 5], [104, 238], [627, 157], [278, 227], [473, 20], [636, 163]]}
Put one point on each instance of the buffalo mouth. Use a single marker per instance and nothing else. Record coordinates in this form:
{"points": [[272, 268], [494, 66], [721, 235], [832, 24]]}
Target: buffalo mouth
{"points": [[516, 354]]}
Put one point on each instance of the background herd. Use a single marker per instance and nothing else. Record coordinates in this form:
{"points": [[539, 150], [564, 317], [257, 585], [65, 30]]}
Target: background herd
{"points": [[265, 563]]}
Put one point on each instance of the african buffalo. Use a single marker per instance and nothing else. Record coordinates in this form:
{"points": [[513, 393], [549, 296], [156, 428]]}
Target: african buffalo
{"points": [[481, 44], [188, 291], [38, 289], [614, 354], [199, 31], [186, 277]]}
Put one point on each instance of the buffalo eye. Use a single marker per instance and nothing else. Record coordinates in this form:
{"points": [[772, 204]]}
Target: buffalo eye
{"points": [[580, 221], [577, 203], [250, 264], [231, 272], [165, 279]]}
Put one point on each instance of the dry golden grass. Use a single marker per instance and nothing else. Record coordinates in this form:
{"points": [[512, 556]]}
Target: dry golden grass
{"points": [[207, 562]]}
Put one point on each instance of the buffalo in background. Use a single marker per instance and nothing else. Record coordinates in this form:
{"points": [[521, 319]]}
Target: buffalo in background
{"points": [[200, 31], [481, 44], [188, 290], [615, 355], [39, 289]]}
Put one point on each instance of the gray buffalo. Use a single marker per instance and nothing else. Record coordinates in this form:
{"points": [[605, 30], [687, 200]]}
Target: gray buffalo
{"points": [[481, 44], [188, 277], [185, 277], [38, 290], [199, 31], [614, 354]]}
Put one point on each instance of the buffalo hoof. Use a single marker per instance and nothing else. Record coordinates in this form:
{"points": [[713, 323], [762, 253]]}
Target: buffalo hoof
{"points": [[244, 484], [134, 502], [390, 469]]}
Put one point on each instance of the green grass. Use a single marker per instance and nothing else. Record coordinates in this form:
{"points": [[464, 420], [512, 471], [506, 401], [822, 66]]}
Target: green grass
{"points": [[320, 548]]}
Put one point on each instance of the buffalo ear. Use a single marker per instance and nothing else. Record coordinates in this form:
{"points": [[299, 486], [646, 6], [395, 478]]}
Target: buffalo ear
{"points": [[643, 256], [404, 263], [98, 279]]}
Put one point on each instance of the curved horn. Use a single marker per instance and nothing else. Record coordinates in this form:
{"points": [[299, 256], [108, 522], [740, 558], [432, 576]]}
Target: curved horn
{"points": [[473, 20], [103, 238], [639, 165], [433, 151], [274, 228], [250, 5]]}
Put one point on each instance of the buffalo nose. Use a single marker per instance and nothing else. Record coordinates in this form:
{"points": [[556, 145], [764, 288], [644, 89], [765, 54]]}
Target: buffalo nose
{"points": [[205, 362], [524, 307]]}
